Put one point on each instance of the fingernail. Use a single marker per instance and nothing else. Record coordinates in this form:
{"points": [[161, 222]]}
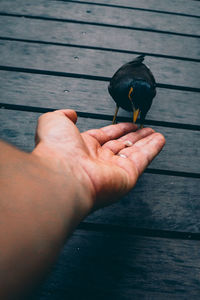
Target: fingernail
{"points": [[128, 143]]}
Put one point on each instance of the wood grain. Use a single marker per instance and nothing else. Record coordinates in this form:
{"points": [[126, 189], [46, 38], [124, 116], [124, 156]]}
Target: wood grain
{"points": [[99, 36], [175, 156], [94, 62], [178, 6], [58, 92], [114, 266], [103, 15], [157, 202]]}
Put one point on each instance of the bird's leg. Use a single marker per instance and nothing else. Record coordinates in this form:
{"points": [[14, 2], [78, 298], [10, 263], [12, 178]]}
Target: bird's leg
{"points": [[142, 118], [135, 114], [115, 115]]}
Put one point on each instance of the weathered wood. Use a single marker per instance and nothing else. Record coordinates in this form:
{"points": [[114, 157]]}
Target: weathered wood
{"points": [[108, 265], [115, 266], [178, 6], [91, 96], [175, 155], [93, 62], [19, 127], [157, 201], [99, 36], [103, 15]]}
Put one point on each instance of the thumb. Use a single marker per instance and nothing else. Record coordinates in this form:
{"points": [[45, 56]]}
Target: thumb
{"points": [[69, 113]]}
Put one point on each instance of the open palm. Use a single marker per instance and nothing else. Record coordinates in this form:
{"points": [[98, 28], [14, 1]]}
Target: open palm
{"points": [[109, 160]]}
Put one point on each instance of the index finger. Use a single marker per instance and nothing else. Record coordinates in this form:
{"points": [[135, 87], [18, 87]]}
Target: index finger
{"points": [[144, 151], [111, 132]]}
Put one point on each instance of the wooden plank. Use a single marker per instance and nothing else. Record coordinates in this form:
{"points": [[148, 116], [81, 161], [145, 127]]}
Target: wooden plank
{"points": [[93, 62], [91, 96], [181, 152], [114, 266], [19, 127], [98, 36], [157, 201], [132, 266], [103, 15], [176, 6]]}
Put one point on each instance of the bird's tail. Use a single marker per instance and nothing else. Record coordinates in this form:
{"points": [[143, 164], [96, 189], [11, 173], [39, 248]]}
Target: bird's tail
{"points": [[138, 60]]}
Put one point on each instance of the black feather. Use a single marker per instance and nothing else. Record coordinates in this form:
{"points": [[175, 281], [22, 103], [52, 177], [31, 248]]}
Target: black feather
{"points": [[134, 74]]}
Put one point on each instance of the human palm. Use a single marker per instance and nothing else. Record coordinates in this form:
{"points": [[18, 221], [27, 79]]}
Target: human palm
{"points": [[109, 160]]}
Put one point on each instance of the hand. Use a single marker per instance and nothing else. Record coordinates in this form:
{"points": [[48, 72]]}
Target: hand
{"points": [[108, 161], [67, 175]]}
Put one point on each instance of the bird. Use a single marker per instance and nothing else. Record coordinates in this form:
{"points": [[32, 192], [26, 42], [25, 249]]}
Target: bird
{"points": [[133, 88]]}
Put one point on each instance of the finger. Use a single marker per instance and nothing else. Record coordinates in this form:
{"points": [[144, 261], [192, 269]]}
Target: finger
{"points": [[144, 151], [69, 113], [114, 145], [58, 122], [127, 140], [111, 132], [139, 144], [133, 137]]}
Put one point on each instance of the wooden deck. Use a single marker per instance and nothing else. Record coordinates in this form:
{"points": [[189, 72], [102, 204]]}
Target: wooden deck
{"points": [[61, 54]]}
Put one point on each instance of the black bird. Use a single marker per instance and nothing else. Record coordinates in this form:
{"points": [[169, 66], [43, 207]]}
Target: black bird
{"points": [[133, 88]]}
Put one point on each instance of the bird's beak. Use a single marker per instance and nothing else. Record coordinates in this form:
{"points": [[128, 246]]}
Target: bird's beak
{"points": [[135, 111], [135, 114]]}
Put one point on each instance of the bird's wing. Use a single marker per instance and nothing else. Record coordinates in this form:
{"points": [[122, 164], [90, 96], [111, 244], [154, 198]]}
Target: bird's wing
{"points": [[137, 62], [151, 77]]}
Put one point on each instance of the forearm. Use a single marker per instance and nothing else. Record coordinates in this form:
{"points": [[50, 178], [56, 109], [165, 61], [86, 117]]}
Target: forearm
{"points": [[40, 205]]}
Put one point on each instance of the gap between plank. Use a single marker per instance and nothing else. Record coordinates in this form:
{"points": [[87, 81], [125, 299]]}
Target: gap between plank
{"points": [[100, 24], [139, 231], [101, 116], [132, 8], [104, 117], [100, 49], [90, 77]]}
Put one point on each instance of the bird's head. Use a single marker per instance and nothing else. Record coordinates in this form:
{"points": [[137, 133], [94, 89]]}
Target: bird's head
{"points": [[140, 95]]}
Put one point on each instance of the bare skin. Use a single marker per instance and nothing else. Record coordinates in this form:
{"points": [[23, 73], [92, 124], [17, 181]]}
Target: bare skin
{"points": [[45, 194]]}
